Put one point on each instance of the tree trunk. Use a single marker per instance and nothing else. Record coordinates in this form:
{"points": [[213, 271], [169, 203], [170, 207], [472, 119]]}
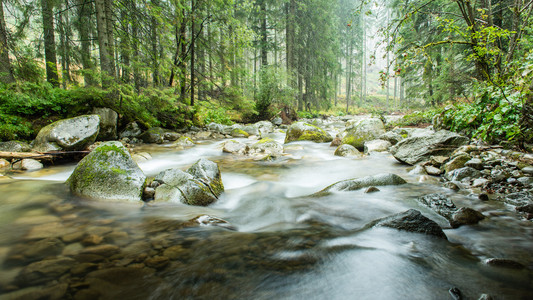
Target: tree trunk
{"points": [[103, 42], [6, 70], [108, 4], [264, 36], [153, 41], [49, 43], [193, 38], [84, 25]]}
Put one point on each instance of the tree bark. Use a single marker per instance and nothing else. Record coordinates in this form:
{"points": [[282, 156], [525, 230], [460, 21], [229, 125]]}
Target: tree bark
{"points": [[103, 42], [49, 43], [6, 70], [83, 25], [193, 35]]}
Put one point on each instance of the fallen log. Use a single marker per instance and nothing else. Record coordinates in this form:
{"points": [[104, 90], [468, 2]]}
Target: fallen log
{"points": [[41, 156]]}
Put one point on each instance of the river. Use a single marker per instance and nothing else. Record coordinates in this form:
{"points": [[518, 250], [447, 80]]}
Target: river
{"points": [[287, 245]]}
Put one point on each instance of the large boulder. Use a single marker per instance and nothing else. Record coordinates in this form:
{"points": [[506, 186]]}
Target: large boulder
{"points": [[419, 149], [377, 146], [154, 135], [264, 127], [108, 173], [132, 130], [359, 183], [68, 134], [200, 185], [234, 147], [108, 123], [301, 131], [412, 221], [358, 133]]}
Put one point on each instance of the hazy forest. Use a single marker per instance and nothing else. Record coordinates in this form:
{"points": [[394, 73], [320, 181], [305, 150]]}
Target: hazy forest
{"points": [[176, 64]]}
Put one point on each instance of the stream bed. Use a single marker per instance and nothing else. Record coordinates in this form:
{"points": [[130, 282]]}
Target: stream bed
{"points": [[286, 243]]}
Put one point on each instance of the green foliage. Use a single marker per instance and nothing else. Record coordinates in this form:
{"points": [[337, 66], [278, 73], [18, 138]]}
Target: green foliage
{"points": [[308, 115], [417, 118], [14, 128], [272, 90], [218, 115]]}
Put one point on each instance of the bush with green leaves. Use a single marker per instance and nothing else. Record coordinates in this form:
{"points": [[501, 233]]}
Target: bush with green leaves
{"points": [[273, 89]]}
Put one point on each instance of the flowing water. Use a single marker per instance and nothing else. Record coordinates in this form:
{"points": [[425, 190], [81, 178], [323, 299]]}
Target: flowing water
{"points": [[287, 245]]}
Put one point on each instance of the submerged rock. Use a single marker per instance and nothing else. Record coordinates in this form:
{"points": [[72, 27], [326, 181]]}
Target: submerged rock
{"points": [[44, 271], [419, 149], [466, 216], [359, 183], [362, 131], [108, 173], [200, 185], [301, 131], [69, 134], [411, 221]]}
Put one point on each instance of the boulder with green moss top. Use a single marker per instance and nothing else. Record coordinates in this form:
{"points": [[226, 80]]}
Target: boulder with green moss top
{"points": [[367, 181], [154, 135], [183, 141], [68, 134], [200, 185], [108, 173], [238, 132], [301, 131], [266, 146], [421, 148], [356, 134], [346, 150]]}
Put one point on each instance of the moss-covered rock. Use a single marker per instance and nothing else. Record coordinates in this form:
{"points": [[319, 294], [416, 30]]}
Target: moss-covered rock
{"points": [[108, 173], [68, 134], [15, 146], [358, 133], [237, 132], [200, 185], [266, 146], [301, 131], [154, 135], [183, 141]]}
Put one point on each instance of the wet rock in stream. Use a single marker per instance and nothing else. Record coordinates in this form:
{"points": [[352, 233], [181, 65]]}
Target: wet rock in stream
{"points": [[412, 221], [457, 217], [359, 183]]}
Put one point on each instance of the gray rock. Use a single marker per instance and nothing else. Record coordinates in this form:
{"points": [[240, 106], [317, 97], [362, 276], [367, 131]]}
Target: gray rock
{"points": [[68, 134], [44, 271], [499, 175], [132, 130], [411, 221], [504, 263], [377, 146], [440, 204], [359, 132], [15, 146], [171, 136], [4, 164], [528, 170], [456, 162], [154, 135], [200, 185], [419, 149], [466, 216], [108, 173], [108, 123], [475, 163], [266, 146], [28, 164], [301, 131], [418, 170], [479, 182], [264, 127], [526, 180], [519, 198], [462, 173], [183, 141], [346, 150], [359, 183], [235, 147], [431, 170], [215, 127], [391, 136], [277, 121], [207, 220]]}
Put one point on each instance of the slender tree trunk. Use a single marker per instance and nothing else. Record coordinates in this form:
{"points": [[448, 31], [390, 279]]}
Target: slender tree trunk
{"points": [[108, 4], [153, 42], [135, 47], [193, 35], [264, 35], [125, 45], [6, 70], [83, 25], [64, 34], [103, 42], [49, 43], [290, 12]]}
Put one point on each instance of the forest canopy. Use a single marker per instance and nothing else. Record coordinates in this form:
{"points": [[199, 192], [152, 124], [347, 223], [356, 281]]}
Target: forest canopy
{"points": [[190, 62]]}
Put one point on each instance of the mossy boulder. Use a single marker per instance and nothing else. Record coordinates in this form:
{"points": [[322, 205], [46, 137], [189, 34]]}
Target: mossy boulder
{"points": [[356, 134], [154, 135], [108, 173], [200, 185], [418, 149], [183, 141], [301, 131], [68, 134], [346, 150], [367, 181], [238, 132], [266, 146], [457, 162]]}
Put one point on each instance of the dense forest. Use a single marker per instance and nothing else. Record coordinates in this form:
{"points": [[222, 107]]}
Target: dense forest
{"points": [[180, 63]]}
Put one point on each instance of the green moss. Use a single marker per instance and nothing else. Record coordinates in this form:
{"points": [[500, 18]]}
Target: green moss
{"points": [[315, 134], [239, 132], [357, 142], [264, 141]]}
